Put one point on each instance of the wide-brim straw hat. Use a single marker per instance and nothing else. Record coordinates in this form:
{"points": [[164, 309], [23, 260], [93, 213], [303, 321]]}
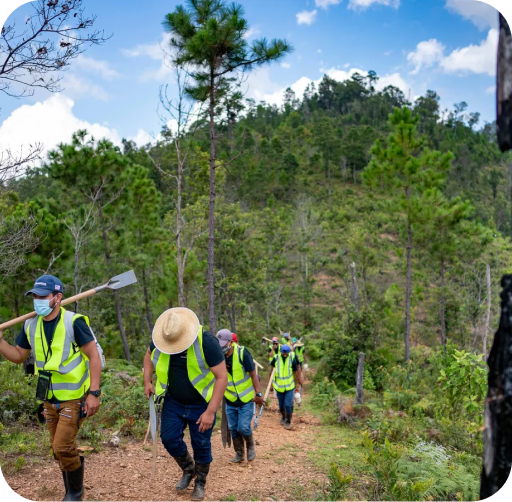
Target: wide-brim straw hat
{"points": [[175, 330], [298, 344]]}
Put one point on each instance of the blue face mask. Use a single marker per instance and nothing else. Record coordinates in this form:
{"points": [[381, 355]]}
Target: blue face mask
{"points": [[42, 307]]}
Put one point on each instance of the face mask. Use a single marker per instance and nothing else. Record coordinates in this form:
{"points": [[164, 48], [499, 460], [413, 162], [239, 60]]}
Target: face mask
{"points": [[226, 349], [42, 307]]}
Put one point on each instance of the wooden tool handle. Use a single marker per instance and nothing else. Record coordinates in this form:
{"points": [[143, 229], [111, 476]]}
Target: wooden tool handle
{"points": [[269, 385], [67, 301]]}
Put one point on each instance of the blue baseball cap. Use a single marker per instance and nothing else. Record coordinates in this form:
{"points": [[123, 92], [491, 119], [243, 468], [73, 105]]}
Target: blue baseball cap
{"points": [[45, 285], [287, 335], [285, 348]]}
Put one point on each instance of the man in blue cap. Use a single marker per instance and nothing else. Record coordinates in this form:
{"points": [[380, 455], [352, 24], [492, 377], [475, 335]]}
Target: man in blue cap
{"points": [[286, 381], [68, 366]]}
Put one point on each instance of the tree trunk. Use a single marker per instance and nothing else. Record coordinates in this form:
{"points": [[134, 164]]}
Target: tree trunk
{"points": [[179, 225], [355, 291], [75, 274], [344, 169], [487, 313], [359, 379], [504, 87], [497, 460], [146, 301], [124, 340], [475, 333], [443, 306], [329, 181], [211, 216], [407, 334]]}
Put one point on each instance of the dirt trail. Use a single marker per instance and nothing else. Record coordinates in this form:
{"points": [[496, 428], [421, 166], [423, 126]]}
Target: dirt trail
{"points": [[281, 470]]}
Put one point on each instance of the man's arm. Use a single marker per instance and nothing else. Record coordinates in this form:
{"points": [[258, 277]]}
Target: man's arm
{"points": [[149, 390], [14, 354], [256, 385], [92, 403], [219, 388]]}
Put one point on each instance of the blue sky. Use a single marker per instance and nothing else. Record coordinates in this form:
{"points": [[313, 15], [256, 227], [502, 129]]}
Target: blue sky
{"points": [[112, 90]]}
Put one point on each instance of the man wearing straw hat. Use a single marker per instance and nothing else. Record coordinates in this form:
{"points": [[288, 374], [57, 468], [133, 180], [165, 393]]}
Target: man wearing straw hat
{"points": [[68, 367], [191, 378]]}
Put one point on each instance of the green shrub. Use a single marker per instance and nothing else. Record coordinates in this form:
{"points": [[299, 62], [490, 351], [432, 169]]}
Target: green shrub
{"points": [[17, 393], [324, 393], [338, 483]]}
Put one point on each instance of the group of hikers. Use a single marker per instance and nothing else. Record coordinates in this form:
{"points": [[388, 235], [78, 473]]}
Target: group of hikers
{"points": [[194, 369]]}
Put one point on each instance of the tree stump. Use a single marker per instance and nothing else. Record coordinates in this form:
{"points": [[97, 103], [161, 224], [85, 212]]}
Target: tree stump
{"points": [[498, 405]]}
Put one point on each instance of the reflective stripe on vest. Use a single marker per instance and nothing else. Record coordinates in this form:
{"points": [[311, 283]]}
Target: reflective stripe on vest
{"points": [[283, 377], [240, 383], [199, 372], [69, 366]]}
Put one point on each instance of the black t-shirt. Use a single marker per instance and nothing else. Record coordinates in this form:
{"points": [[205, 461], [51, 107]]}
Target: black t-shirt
{"points": [[180, 387], [247, 363], [83, 333], [294, 362]]}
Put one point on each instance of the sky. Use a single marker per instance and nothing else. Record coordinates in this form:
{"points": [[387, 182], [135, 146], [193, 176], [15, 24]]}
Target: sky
{"points": [[112, 90]]}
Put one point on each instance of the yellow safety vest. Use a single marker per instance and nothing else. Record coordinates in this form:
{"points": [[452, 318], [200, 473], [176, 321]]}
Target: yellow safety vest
{"points": [[300, 354], [69, 366], [198, 370], [240, 383], [283, 376]]}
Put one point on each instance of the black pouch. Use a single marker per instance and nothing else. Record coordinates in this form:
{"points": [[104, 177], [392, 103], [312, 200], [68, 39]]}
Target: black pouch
{"points": [[43, 384]]}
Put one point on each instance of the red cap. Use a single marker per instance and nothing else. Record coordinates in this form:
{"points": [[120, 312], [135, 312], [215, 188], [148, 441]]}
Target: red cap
{"points": [[235, 339]]}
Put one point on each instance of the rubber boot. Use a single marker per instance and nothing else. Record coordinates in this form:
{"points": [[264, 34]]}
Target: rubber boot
{"points": [[283, 417], [238, 445], [288, 422], [201, 474], [75, 483], [186, 463], [65, 479], [251, 451]]}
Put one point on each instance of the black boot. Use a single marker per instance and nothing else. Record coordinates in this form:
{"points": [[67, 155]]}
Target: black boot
{"points": [[288, 421], [65, 479], [186, 462], [201, 474], [283, 417], [75, 483], [251, 451], [238, 445]]}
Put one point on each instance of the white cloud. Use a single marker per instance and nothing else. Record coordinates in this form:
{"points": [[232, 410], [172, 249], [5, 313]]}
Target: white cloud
{"points": [[142, 138], [481, 14], [154, 51], [306, 17], [49, 122], [325, 4], [319, 51], [76, 87], [491, 90], [286, 65], [426, 55], [475, 58], [365, 4], [346, 65], [251, 33], [95, 66]]}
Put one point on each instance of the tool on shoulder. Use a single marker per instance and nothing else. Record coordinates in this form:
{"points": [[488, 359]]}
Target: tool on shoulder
{"points": [[155, 409], [117, 282], [257, 416]]}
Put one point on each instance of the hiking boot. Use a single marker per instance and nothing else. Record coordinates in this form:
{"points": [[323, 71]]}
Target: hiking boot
{"points": [[283, 417], [201, 474], [238, 445], [251, 451], [75, 483], [288, 421], [186, 462], [65, 479]]}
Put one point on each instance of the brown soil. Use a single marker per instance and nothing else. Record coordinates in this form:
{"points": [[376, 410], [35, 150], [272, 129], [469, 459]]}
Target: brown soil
{"points": [[281, 470]]}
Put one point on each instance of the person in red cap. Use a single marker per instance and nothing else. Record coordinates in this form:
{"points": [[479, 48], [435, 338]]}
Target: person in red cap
{"points": [[235, 338], [273, 349]]}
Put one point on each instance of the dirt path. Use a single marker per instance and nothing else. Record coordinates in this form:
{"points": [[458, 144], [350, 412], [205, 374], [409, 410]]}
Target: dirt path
{"points": [[281, 470]]}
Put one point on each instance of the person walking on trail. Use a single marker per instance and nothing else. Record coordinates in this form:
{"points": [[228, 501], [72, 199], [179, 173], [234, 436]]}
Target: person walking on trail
{"points": [[68, 366], [191, 379], [286, 381], [286, 340], [273, 349], [242, 392]]}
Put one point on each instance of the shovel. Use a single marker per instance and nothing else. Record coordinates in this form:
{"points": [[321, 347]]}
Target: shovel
{"points": [[154, 419], [117, 282], [257, 416]]}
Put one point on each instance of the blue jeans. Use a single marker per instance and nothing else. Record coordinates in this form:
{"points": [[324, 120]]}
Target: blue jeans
{"points": [[239, 419], [286, 400], [175, 418]]}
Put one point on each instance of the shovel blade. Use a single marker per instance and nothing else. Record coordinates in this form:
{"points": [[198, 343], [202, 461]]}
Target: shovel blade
{"points": [[153, 419], [122, 280]]}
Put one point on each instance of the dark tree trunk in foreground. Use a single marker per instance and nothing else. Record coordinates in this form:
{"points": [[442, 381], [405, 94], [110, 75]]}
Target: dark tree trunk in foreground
{"points": [[498, 405], [504, 81], [359, 379]]}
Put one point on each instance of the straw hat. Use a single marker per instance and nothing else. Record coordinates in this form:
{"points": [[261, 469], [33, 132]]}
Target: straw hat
{"points": [[298, 344], [175, 330]]}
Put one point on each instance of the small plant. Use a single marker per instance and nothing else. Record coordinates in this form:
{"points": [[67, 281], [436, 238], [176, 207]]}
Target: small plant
{"points": [[338, 483]]}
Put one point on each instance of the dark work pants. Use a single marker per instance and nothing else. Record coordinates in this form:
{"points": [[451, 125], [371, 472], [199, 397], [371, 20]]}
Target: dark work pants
{"points": [[286, 400]]}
